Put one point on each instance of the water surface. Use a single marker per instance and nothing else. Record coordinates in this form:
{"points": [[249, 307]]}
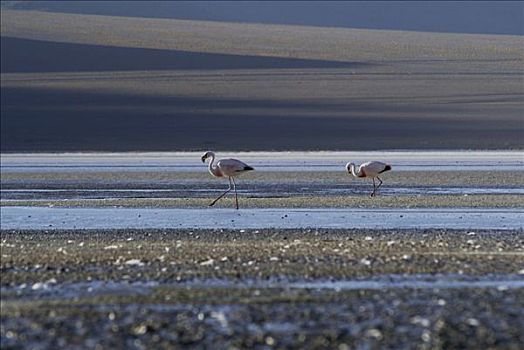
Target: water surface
{"points": [[209, 218]]}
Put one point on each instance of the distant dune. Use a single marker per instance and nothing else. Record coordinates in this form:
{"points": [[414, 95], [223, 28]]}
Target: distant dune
{"points": [[101, 83]]}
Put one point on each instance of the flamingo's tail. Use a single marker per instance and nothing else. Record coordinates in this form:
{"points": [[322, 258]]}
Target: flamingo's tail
{"points": [[386, 168]]}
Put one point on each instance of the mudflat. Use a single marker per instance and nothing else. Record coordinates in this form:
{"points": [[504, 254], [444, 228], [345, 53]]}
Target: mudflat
{"points": [[274, 189]]}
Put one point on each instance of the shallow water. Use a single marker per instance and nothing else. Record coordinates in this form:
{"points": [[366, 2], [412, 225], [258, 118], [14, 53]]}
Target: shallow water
{"points": [[260, 191], [51, 289], [382, 282], [412, 284], [209, 218], [264, 161]]}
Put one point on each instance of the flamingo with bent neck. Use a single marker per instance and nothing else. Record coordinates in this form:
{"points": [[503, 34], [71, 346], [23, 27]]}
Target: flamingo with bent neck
{"points": [[369, 169], [226, 168]]}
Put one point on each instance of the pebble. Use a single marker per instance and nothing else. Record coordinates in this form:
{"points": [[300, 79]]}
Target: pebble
{"points": [[207, 262], [134, 262]]}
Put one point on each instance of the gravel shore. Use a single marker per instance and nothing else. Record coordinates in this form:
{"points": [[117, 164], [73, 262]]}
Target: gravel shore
{"points": [[225, 288], [174, 255]]}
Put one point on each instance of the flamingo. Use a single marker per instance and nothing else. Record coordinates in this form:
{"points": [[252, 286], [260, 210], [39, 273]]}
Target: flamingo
{"points": [[223, 168], [369, 169]]}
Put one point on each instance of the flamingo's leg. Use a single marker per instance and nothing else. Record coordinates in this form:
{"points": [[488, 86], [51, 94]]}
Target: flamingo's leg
{"points": [[374, 189], [222, 195], [235, 188], [380, 184]]}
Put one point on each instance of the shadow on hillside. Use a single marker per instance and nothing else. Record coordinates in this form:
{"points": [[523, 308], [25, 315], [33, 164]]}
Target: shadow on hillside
{"points": [[25, 55], [36, 120]]}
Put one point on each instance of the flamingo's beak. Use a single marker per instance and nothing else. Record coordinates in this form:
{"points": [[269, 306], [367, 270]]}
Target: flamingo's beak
{"points": [[203, 159]]}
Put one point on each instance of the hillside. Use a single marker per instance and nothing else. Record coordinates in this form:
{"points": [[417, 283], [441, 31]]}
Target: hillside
{"points": [[482, 17], [338, 44], [102, 83]]}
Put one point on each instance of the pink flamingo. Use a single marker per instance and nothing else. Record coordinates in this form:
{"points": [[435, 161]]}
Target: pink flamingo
{"points": [[369, 169], [223, 168]]}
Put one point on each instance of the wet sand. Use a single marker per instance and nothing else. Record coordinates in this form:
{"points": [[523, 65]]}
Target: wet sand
{"points": [[250, 288], [361, 201], [467, 179], [156, 187]]}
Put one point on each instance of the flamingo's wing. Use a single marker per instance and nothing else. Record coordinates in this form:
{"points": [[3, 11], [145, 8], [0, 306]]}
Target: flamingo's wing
{"points": [[373, 168], [232, 166]]}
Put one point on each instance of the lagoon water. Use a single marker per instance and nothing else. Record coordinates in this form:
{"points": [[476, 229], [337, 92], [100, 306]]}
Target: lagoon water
{"points": [[210, 218]]}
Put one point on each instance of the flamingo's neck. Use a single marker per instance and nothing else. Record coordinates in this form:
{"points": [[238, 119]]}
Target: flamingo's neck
{"points": [[212, 167], [353, 170]]}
